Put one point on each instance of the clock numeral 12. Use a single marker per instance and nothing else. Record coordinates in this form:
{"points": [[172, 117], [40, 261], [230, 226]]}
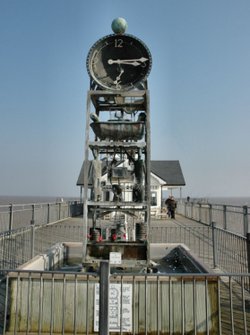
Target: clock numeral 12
{"points": [[118, 43]]}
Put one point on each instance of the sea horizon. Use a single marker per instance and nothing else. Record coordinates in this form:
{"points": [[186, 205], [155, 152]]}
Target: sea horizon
{"points": [[219, 200], [28, 199]]}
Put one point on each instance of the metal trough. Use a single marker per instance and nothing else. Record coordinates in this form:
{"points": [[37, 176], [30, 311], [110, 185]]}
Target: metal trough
{"points": [[118, 130], [142, 302]]}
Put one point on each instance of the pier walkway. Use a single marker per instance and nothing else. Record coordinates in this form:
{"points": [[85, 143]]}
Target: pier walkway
{"points": [[233, 297], [234, 300]]}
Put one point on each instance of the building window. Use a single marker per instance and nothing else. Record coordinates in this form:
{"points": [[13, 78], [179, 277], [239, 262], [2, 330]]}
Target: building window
{"points": [[153, 199]]}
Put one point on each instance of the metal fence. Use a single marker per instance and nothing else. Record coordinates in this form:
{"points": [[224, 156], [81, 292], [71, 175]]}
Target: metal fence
{"points": [[20, 245], [227, 217], [71, 303], [214, 246], [15, 216], [197, 239]]}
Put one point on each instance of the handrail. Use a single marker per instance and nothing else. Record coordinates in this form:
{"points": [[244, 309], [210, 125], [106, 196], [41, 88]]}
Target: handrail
{"points": [[235, 219], [14, 216]]}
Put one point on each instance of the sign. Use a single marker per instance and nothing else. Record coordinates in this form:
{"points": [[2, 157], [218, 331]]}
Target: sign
{"points": [[116, 302], [115, 258]]}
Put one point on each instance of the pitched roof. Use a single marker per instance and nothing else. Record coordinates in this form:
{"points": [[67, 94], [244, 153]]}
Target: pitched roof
{"points": [[80, 180], [168, 171]]}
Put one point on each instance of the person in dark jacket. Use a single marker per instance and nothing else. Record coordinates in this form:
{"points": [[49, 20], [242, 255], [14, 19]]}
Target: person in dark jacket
{"points": [[171, 206]]}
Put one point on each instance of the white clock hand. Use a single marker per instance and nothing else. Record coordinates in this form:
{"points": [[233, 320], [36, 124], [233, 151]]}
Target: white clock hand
{"points": [[134, 62], [118, 78]]}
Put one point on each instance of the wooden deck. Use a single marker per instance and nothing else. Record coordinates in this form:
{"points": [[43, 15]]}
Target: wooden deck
{"points": [[233, 299]]}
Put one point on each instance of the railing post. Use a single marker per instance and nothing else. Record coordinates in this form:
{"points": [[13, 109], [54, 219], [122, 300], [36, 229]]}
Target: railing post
{"points": [[48, 216], [248, 251], [247, 232], [214, 244], [199, 212], [192, 210], [185, 209], [33, 215], [210, 215], [104, 298], [245, 220], [59, 210], [224, 217], [32, 242], [10, 217], [68, 208]]}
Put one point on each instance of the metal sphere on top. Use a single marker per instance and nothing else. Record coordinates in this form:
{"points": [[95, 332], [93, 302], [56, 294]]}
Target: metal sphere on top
{"points": [[119, 25]]}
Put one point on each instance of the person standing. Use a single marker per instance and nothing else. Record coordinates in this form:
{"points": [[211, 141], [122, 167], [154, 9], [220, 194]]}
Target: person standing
{"points": [[171, 206]]}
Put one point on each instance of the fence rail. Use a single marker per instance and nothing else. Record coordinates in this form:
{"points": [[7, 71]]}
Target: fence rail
{"points": [[20, 245], [232, 218], [214, 246], [15, 216], [35, 302]]}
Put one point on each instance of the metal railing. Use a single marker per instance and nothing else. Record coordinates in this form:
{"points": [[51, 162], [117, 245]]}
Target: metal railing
{"points": [[197, 239], [20, 245], [55, 302], [230, 233], [214, 246], [15, 216], [227, 217]]}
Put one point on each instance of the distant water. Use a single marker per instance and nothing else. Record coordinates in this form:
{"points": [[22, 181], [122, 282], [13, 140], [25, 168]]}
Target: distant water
{"points": [[6, 200], [234, 201]]}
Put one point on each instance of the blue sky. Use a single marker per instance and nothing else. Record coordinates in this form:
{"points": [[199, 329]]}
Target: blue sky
{"points": [[199, 89]]}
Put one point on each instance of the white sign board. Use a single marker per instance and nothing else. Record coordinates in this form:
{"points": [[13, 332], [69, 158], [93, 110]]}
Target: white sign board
{"points": [[115, 308], [115, 258]]}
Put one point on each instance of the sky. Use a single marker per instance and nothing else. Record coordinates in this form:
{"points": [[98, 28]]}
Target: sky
{"points": [[199, 89]]}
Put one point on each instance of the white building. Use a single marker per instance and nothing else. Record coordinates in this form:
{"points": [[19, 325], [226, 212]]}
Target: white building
{"points": [[166, 177]]}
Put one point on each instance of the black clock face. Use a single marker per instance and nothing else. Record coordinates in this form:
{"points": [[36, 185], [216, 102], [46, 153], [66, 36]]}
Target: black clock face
{"points": [[119, 62]]}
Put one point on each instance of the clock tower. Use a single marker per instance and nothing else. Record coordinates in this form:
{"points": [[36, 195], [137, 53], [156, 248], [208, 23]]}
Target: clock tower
{"points": [[117, 150]]}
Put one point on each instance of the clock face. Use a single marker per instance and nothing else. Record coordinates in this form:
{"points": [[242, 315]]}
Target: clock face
{"points": [[119, 62]]}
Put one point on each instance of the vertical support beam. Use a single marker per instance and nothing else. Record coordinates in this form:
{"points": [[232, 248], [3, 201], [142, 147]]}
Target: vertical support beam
{"points": [[148, 168], [81, 194], [162, 205], [214, 244], [10, 217], [86, 181], [104, 298]]}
